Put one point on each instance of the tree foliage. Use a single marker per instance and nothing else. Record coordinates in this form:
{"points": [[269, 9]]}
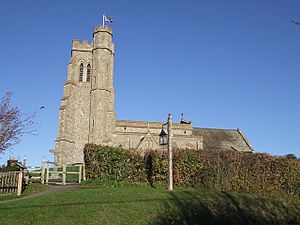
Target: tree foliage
{"points": [[12, 125]]}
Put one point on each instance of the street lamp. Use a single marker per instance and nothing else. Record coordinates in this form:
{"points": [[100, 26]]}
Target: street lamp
{"points": [[163, 138], [167, 139]]}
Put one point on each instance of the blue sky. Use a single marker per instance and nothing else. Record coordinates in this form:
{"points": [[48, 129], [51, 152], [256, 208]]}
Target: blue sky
{"points": [[225, 64]]}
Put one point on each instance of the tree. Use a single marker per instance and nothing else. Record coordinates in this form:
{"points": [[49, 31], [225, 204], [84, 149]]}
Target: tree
{"points": [[12, 125]]}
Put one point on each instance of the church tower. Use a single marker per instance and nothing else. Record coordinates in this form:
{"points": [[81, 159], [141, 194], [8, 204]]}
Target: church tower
{"points": [[86, 114], [102, 118]]}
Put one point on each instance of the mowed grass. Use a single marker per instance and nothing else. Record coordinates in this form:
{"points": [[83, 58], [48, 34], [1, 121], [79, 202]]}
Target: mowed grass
{"points": [[141, 204], [29, 190]]}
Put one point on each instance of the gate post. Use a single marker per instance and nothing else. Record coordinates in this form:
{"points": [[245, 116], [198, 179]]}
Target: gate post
{"points": [[83, 171], [64, 175], [47, 173], [20, 176], [43, 171], [80, 173]]}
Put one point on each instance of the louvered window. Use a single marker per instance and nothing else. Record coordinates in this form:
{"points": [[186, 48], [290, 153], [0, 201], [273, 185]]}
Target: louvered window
{"points": [[81, 73], [88, 73]]}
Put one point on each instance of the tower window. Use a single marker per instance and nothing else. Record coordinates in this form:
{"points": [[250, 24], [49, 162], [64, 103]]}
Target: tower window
{"points": [[81, 73], [88, 73]]}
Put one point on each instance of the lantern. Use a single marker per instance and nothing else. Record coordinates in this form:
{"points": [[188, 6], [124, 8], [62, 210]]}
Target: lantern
{"points": [[163, 137]]}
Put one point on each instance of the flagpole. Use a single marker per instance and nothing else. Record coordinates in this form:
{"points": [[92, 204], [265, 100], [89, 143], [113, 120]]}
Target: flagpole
{"points": [[103, 21]]}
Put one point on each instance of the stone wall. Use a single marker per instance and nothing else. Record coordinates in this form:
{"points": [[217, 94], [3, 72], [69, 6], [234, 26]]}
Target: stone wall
{"points": [[74, 112], [142, 135]]}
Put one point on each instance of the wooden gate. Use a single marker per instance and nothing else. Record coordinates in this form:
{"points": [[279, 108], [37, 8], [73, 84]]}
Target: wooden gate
{"points": [[47, 173], [51, 173], [11, 182], [65, 174]]}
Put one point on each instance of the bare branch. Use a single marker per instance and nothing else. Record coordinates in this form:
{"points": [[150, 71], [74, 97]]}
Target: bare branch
{"points": [[12, 125]]}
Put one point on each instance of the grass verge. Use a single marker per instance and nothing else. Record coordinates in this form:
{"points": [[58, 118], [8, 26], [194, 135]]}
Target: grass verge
{"points": [[141, 204], [29, 190]]}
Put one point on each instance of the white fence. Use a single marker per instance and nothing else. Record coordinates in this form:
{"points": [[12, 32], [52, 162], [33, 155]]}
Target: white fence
{"points": [[47, 173], [65, 174]]}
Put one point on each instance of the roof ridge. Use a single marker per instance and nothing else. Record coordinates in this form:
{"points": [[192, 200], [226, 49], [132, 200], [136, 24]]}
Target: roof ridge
{"points": [[245, 139], [204, 128]]}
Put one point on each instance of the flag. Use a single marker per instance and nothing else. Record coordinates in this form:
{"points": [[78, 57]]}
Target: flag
{"points": [[107, 19]]}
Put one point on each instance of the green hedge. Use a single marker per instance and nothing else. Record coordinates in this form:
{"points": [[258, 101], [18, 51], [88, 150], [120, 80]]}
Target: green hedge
{"points": [[218, 169], [232, 171], [109, 163]]}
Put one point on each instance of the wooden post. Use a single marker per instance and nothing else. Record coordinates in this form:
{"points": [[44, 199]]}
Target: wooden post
{"points": [[20, 176], [80, 173], [170, 153], [47, 173], [43, 171], [64, 175], [83, 171], [5, 182]]}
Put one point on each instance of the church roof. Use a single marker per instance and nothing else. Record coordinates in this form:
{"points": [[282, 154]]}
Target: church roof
{"points": [[214, 139]]}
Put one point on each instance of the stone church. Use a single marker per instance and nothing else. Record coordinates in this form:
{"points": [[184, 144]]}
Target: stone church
{"points": [[87, 112]]}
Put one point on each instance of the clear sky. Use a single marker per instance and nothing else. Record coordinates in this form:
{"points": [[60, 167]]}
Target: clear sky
{"points": [[225, 64]]}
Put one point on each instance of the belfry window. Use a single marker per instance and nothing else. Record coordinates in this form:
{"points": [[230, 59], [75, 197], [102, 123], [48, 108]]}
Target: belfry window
{"points": [[88, 73], [81, 72]]}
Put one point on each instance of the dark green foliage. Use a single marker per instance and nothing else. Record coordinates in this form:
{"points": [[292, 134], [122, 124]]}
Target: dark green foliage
{"points": [[231, 171], [9, 168], [109, 163], [156, 167], [220, 170]]}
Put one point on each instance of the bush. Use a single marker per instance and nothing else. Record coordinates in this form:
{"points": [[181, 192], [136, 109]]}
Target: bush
{"points": [[224, 170], [231, 171], [9, 168], [110, 163]]}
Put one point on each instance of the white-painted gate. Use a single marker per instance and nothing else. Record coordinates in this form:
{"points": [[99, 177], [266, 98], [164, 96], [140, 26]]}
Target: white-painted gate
{"points": [[51, 173]]}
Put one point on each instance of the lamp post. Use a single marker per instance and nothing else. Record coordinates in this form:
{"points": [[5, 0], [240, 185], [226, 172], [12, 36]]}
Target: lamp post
{"points": [[167, 139], [170, 152]]}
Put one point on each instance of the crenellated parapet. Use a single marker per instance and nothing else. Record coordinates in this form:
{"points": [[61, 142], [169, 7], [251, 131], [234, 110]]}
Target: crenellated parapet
{"points": [[84, 45], [102, 29], [103, 39]]}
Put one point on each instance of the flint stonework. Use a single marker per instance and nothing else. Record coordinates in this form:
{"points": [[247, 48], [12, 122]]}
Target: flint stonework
{"points": [[87, 112]]}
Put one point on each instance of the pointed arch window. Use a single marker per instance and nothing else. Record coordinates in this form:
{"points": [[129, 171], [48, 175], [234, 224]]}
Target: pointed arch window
{"points": [[88, 73], [81, 73]]}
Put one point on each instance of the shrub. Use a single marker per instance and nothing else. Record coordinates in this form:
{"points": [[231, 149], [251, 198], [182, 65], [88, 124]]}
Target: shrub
{"points": [[224, 170], [109, 163]]}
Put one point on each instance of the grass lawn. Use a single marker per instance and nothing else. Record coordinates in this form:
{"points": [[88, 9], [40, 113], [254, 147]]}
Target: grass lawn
{"points": [[30, 189], [141, 204]]}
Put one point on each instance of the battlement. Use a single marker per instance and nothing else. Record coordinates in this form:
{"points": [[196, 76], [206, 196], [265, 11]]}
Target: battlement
{"points": [[82, 45], [102, 29]]}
